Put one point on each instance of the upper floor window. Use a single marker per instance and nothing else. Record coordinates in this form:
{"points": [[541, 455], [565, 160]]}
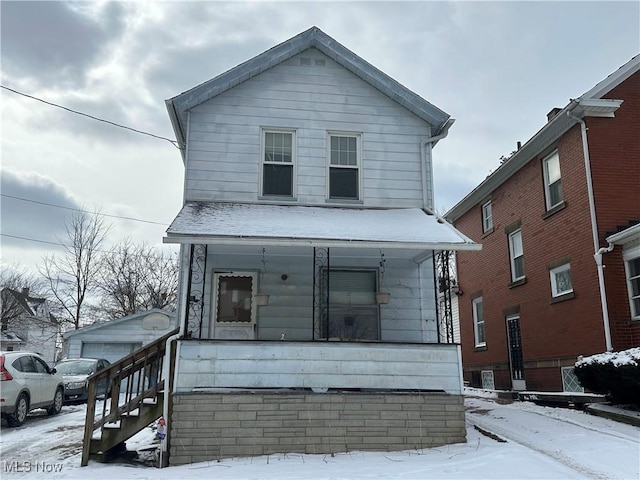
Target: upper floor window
{"points": [[478, 322], [552, 180], [632, 267], [344, 166], [487, 217], [516, 255], [561, 280], [278, 163]]}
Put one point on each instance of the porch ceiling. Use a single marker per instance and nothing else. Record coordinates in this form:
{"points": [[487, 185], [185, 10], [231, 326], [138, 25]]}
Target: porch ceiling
{"points": [[297, 226]]}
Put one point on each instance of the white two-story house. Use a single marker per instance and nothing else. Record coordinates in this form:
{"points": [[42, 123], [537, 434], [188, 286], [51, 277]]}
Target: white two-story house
{"points": [[308, 318]]}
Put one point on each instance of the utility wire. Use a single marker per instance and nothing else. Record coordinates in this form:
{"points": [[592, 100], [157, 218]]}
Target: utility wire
{"points": [[60, 244], [83, 211], [172, 142]]}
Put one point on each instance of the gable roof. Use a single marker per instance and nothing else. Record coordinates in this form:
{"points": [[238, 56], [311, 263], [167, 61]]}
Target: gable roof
{"points": [[311, 38], [590, 104], [29, 304], [172, 316]]}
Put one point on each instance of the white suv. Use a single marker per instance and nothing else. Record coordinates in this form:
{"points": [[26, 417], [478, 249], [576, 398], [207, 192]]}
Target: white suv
{"points": [[27, 383]]}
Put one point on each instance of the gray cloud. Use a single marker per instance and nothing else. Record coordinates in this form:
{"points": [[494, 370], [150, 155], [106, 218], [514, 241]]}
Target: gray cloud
{"points": [[54, 43], [31, 220]]}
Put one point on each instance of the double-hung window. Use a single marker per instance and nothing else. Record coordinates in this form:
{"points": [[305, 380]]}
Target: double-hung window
{"points": [[278, 163], [516, 255], [344, 166], [561, 280], [478, 322], [632, 267], [552, 180], [487, 217]]}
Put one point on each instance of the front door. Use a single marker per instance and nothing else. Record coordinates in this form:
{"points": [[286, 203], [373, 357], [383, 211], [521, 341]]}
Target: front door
{"points": [[233, 306], [516, 362]]}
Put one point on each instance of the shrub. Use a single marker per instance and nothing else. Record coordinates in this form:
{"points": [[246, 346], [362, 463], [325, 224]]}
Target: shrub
{"points": [[614, 374]]}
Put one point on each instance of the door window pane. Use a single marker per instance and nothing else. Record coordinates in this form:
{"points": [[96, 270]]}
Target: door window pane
{"points": [[234, 299]]}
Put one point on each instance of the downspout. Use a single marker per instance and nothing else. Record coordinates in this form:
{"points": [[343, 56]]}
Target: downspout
{"points": [[444, 131], [594, 230], [166, 367]]}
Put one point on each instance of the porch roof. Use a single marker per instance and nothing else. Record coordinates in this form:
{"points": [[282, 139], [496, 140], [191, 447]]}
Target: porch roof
{"points": [[290, 225]]}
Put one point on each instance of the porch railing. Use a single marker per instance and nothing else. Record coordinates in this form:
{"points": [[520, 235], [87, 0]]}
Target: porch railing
{"points": [[126, 383]]}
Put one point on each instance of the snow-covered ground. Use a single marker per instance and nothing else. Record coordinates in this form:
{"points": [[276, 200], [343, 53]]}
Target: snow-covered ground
{"points": [[541, 443]]}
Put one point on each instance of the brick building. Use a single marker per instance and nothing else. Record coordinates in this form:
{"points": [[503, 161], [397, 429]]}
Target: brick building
{"points": [[559, 222]]}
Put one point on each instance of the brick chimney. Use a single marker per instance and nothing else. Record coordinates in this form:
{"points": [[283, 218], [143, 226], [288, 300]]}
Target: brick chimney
{"points": [[553, 113]]}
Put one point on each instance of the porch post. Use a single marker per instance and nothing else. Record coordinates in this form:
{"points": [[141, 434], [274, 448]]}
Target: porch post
{"points": [[194, 305], [321, 264]]}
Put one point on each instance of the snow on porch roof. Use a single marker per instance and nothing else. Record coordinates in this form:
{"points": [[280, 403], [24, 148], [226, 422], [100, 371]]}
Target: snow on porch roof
{"points": [[249, 224]]}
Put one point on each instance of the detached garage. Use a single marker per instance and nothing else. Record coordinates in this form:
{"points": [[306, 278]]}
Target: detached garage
{"points": [[118, 338]]}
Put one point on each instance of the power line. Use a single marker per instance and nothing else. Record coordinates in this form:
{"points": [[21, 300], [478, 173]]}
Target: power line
{"points": [[59, 244], [83, 211], [172, 142]]}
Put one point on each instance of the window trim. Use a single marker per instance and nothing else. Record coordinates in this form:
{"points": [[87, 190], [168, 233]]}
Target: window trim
{"points": [[513, 257], [628, 256], [487, 220], [358, 166], [555, 293], [547, 183], [474, 312], [294, 163]]}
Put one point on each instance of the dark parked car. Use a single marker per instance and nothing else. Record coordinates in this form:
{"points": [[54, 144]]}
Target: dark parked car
{"points": [[75, 371]]}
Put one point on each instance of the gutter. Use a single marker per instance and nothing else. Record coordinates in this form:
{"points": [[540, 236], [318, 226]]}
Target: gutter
{"points": [[430, 142], [594, 228]]}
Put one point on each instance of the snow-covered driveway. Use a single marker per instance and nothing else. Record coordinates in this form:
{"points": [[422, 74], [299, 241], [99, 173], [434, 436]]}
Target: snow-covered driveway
{"points": [[570, 437], [542, 443]]}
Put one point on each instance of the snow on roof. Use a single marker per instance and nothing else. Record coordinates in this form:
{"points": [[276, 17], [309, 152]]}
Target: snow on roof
{"points": [[319, 226]]}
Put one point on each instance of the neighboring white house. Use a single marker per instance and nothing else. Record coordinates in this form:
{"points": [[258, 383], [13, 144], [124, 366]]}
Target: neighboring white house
{"points": [[27, 324], [118, 338], [307, 303]]}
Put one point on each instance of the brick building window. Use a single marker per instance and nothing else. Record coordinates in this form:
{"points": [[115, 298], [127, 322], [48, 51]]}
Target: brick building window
{"points": [[478, 322], [552, 180], [561, 280], [632, 267], [487, 217], [516, 255]]}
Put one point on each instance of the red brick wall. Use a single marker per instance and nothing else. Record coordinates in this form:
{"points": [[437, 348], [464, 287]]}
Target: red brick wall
{"points": [[614, 149], [559, 331]]}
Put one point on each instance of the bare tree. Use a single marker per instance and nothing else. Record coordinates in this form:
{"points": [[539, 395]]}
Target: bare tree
{"points": [[137, 277], [71, 275]]}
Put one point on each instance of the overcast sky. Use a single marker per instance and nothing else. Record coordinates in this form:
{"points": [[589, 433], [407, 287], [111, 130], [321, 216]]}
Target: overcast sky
{"points": [[496, 67]]}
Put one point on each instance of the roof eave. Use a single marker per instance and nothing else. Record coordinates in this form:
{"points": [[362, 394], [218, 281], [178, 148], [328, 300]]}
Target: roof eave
{"points": [[625, 235], [311, 38], [547, 135], [314, 242]]}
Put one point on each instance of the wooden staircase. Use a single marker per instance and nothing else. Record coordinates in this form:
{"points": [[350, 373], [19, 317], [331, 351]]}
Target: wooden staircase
{"points": [[136, 399]]}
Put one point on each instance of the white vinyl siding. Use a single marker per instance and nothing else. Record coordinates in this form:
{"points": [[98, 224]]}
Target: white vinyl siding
{"points": [[552, 180], [487, 217], [516, 255], [561, 280], [478, 322], [409, 316], [224, 140]]}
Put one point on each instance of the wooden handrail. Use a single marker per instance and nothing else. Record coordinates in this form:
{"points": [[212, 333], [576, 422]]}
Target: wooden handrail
{"points": [[141, 375]]}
